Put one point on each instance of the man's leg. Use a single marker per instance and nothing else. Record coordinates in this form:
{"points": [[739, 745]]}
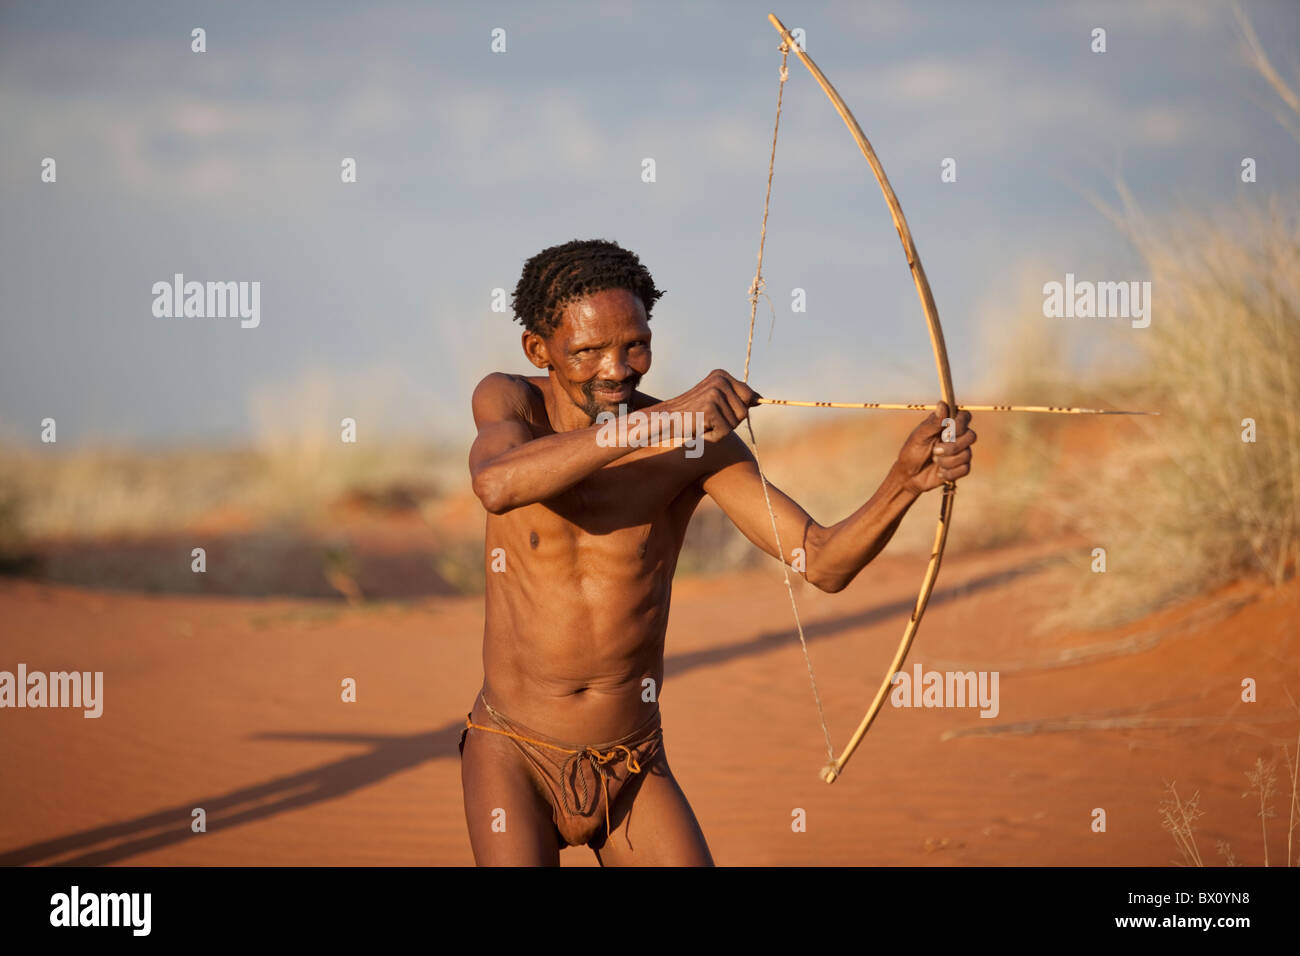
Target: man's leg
{"points": [[656, 826], [510, 823]]}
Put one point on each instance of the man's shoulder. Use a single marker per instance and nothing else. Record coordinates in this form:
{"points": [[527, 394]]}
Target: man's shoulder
{"points": [[505, 383], [505, 397], [506, 387]]}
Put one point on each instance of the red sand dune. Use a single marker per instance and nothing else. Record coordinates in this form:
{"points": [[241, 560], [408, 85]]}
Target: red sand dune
{"points": [[233, 705]]}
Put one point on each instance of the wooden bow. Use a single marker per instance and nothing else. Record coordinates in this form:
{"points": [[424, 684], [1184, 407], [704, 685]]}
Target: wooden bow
{"points": [[836, 766]]}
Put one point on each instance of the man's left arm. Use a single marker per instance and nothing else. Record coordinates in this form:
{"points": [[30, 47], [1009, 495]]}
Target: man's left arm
{"points": [[834, 555]]}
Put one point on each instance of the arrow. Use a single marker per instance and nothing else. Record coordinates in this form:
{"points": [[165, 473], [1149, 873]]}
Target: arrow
{"points": [[917, 407]]}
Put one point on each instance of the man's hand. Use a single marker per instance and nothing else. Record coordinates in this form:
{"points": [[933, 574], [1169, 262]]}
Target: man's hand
{"points": [[724, 400], [925, 462]]}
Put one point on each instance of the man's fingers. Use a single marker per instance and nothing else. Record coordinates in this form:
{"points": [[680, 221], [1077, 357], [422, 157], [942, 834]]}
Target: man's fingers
{"points": [[941, 412], [738, 406], [724, 400], [952, 461], [746, 394], [961, 443], [740, 394], [726, 382], [723, 411], [929, 429]]}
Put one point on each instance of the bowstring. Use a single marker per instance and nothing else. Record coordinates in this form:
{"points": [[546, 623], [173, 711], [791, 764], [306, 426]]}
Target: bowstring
{"points": [[756, 289]]}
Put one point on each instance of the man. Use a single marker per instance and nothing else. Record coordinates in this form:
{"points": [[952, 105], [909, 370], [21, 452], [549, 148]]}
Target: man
{"points": [[585, 523]]}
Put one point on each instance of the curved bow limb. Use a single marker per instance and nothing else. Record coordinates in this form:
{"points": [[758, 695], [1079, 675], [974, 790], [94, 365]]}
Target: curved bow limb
{"points": [[835, 768]]}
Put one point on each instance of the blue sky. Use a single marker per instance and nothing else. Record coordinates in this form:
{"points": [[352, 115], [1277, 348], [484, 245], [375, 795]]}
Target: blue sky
{"points": [[376, 295]]}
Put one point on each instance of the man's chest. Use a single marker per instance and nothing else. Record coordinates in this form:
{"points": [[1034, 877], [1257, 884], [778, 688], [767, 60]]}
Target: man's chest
{"points": [[629, 506]]}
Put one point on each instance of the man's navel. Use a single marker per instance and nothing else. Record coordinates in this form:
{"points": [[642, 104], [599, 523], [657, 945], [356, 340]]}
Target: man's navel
{"points": [[533, 540]]}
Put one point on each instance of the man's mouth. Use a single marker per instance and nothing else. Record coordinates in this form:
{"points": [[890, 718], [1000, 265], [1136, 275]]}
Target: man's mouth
{"points": [[614, 394]]}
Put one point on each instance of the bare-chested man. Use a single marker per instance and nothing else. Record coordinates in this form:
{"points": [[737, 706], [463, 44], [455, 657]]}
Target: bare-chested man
{"points": [[563, 745]]}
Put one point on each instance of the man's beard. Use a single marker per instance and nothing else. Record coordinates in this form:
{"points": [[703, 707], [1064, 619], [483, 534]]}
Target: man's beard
{"points": [[594, 403]]}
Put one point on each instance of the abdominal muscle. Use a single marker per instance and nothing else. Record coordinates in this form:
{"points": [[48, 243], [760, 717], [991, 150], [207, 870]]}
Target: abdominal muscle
{"points": [[575, 624]]}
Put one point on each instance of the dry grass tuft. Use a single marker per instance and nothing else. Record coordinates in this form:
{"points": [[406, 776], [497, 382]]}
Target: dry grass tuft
{"points": [[1263, 786], [104, 492], [1179, 819], [1190, 505]]}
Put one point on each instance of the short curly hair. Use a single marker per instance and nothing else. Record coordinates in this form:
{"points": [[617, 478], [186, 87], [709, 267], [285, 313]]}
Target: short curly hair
{"points": [[558, 275]]}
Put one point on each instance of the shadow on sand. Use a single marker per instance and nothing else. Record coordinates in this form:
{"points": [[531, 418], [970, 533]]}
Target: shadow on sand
{"points": [[390, 754]]}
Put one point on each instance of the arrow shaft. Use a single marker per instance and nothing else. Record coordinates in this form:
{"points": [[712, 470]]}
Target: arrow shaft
{"points": [[920, 407]]}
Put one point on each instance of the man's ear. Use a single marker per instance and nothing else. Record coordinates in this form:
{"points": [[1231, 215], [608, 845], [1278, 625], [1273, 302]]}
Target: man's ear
{"points": [[536, 350]]}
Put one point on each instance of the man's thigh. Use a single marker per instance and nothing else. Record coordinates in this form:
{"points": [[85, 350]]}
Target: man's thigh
{"points": [[510, 824], [656, 826]]}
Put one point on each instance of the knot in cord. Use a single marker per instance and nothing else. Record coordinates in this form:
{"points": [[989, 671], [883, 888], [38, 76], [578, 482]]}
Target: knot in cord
{"points": [[598, 759]]}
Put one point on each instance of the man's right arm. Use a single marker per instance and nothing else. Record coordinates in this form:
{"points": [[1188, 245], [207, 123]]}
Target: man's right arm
{"points": [[509, 467]]}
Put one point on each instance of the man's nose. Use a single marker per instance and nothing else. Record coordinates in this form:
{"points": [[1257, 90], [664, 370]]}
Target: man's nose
{"points": [[616, 369]]}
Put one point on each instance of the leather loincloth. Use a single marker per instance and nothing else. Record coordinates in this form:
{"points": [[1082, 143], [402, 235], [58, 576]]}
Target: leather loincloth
{"points": [[581, 782]]}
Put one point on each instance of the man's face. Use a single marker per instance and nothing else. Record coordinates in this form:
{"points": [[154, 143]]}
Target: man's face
{"points": [[600, 350]]}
